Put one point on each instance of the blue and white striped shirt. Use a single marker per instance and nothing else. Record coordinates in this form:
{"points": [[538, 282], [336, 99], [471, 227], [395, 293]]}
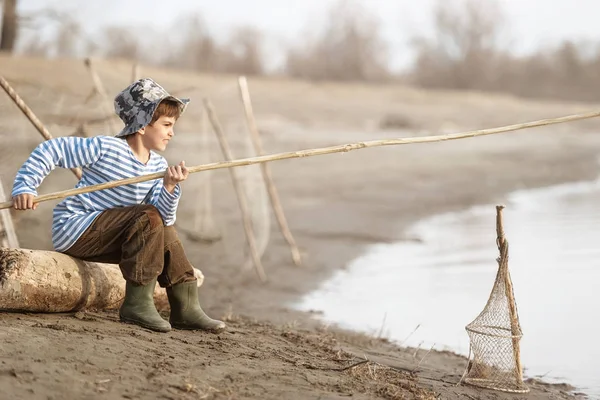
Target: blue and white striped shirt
{"points": [[102, 159]]}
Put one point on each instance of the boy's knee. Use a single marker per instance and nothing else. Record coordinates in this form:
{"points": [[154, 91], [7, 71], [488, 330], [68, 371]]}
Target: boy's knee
{"points": [[170, 235], [152, 215]]}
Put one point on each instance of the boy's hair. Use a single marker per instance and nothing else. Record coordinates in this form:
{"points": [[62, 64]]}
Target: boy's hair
{"points": [[166, 108]]}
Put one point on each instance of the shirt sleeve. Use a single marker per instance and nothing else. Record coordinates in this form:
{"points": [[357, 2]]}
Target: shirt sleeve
{"points": [[166, 202], [64, 152]]}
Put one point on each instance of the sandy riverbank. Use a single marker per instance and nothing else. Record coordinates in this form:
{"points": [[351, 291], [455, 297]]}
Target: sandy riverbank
{"points": [[335, 205]]}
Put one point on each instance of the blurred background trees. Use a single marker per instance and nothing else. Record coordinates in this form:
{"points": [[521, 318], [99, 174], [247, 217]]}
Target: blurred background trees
{"points": [[468, 48]]}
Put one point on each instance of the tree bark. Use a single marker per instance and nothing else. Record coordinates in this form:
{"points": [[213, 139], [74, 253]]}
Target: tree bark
{"points": [[48, 281], [8, 35]]}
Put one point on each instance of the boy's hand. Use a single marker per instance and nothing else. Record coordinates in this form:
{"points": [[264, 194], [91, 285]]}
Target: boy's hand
{"points": [[175, 174], [24, 202]]}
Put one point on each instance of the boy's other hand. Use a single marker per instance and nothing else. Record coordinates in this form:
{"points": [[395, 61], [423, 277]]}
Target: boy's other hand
{"points": [[24, 202], [175, 174]]}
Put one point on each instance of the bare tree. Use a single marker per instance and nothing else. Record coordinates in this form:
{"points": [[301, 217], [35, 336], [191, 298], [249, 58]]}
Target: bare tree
{"points": [[465, 46], [350, 47], [67, 38], [466, 52], [51, 33], [120, 42], [244, 52], [197, 49], [35, 46], [8, 35]]}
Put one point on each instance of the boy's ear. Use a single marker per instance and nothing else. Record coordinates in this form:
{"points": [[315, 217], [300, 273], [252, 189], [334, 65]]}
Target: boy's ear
{"points": [[142, 131]]}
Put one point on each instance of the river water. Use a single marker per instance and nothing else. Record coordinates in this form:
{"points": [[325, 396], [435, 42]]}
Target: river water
{"points": [[439, 285]]}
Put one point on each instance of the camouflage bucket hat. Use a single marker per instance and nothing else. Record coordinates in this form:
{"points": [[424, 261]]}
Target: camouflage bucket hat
{"points": [[136, 104]]}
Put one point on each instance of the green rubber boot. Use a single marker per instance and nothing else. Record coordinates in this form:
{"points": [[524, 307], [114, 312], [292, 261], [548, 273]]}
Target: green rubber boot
{"points": [[186, 312], [138, 308]]}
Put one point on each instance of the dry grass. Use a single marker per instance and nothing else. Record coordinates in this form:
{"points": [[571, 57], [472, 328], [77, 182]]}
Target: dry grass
{"points": [[390, 383]]}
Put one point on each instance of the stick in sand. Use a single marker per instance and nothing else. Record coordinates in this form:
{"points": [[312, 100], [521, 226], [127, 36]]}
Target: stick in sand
{"points": [[8, 236], [205, 222], [135, 72], [247, 221], [205, 227], [266, 171], [30, 115], [508, 290], [314, 152], [99, 88]]}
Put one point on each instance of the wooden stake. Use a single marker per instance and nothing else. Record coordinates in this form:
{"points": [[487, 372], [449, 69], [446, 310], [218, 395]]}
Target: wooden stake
{"points": [[266, 171], [508, 289], [205, 227], [135, 72], [30, 115], [99, 88], [238, 191], [49, 281], [314, 152], [8, 236]]}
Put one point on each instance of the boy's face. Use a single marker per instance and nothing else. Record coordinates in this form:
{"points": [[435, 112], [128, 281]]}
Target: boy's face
{"points": [[156, 136]]}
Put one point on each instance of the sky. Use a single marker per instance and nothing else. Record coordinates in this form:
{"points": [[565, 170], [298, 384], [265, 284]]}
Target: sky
{"points": [[531, 23]]}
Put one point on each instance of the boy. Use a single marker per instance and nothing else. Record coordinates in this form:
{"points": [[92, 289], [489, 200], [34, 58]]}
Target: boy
{"points": [[130, 225]]}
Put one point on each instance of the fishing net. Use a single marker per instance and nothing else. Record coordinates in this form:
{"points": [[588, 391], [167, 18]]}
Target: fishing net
{"points": [[253, 184], [205, 227], [495, 334]]}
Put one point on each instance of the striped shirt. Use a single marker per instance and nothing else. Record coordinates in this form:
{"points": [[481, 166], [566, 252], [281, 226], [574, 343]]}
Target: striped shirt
{"points": [[102, 159]]}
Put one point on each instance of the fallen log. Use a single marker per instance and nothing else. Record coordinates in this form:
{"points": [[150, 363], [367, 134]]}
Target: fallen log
{"points": [[48, 281]]}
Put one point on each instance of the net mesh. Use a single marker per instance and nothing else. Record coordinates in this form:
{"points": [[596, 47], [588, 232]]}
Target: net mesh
{"points": [[205, 227], [258, 201], [495, 334]]}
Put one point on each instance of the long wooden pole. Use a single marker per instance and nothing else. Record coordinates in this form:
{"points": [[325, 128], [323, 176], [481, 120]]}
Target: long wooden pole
{"points": [[509, 292], [99, 88], [266, 171], [239, 191], [30, 115], [135, 72], [314, 152], [7, 227]]}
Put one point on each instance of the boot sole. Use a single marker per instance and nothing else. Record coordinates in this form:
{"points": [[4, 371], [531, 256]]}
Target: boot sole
{"points": [[144, 325], [192, 328]]}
